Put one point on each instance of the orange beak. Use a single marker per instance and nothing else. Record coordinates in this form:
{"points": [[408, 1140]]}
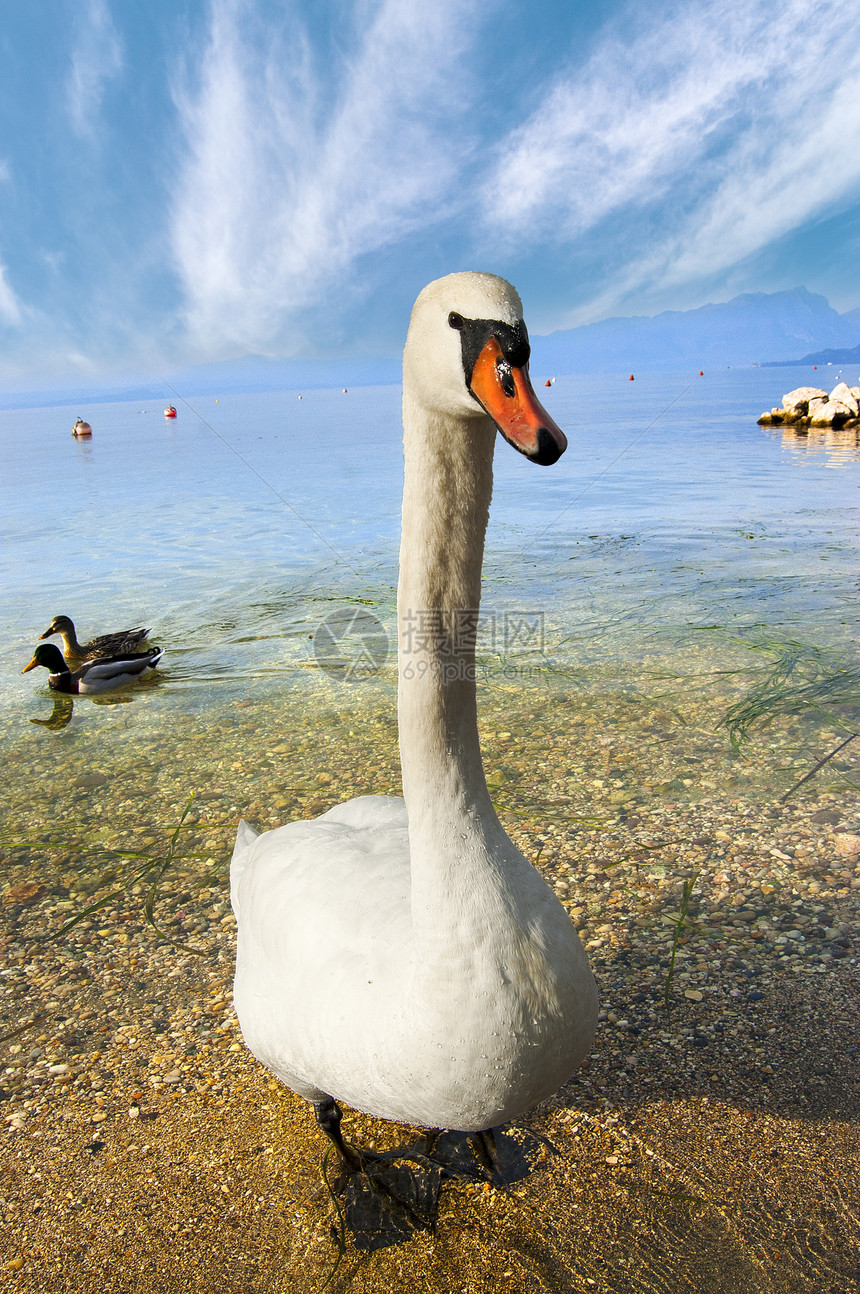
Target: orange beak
{"points": [[32, 665], [508, 397]]}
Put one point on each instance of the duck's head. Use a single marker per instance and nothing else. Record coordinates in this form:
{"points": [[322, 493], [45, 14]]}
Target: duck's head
{"points": [[50, 658], [467, 354], [59, 625]]}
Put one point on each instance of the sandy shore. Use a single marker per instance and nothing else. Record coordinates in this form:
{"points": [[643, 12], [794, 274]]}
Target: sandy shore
{"points": [[710, 1148]]}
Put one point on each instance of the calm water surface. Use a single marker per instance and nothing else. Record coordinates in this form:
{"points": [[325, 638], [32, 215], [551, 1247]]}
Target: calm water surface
{"points": [[661, 566]]}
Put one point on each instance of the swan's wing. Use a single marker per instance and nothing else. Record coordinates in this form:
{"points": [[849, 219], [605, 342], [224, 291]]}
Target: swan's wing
{"points": [[376, 812], [245, 837]]}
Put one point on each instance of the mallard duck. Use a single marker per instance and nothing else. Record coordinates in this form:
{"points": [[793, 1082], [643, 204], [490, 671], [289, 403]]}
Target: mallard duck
{"points": [[120, 643], [401, 954], [97, 675]]}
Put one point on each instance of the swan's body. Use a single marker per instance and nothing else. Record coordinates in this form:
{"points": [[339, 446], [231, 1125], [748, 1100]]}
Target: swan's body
{"points": [[415, 965]]}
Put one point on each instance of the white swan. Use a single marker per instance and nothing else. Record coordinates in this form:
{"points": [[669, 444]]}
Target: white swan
{"points": [[402, 955]]}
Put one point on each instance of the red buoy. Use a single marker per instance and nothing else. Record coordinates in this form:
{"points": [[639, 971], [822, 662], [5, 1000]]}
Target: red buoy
{"points": [[547, 382], [701, 374], [631, 378], [170, 412]]}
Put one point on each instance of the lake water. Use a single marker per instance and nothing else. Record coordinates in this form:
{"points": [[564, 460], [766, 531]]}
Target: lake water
{"points": [[673, 558]]}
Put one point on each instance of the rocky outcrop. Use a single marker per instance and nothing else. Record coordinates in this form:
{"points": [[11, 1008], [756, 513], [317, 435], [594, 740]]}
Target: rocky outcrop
{"points": [[809, 406]]}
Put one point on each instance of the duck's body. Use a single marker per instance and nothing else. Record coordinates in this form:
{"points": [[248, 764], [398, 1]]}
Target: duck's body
{"points": [[95, 676], [122, 642], [402, 955]]}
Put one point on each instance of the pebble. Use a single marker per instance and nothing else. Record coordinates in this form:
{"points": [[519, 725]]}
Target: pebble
{"points": [[125, 1023]]}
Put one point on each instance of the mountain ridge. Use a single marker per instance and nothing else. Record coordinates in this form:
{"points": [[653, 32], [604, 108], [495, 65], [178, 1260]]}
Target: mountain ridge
{"points": [[754, 328]]}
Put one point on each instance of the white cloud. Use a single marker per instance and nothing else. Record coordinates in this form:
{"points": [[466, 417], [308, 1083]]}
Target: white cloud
{"points": [[712, 130], [293, 170], [10, 307], [96, 58]]}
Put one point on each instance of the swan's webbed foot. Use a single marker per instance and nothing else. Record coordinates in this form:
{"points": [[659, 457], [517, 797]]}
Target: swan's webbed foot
{"points": [[484, 1145], [328, 1116]]}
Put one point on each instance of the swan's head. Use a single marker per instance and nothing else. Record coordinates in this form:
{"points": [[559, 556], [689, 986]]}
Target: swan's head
{"points": [[466, 355]]}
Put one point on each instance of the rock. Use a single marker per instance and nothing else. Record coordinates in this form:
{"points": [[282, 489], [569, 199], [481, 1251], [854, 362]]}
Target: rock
{"points": [[830, 413], [797, 401], [810, 406], [845, 395], [26, 892], [89, 780], [847, 844]]}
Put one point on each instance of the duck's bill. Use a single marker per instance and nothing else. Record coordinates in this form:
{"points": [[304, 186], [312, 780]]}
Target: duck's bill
{"points": [[508, 397], [32, 665]]}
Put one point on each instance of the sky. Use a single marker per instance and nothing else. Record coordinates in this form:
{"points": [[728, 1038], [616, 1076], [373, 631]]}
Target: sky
{"points": [[183, 181]]}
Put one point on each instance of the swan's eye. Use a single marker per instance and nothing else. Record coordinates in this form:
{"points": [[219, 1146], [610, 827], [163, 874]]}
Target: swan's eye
{"points": [[506, 377], [456, 321]]}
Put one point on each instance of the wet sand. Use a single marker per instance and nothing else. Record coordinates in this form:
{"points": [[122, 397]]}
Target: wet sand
{"points": [[712, 1146]]}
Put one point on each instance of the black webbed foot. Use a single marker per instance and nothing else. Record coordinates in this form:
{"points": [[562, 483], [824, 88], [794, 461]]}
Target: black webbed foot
{"points": [[484, 1145], [328, 1116]]}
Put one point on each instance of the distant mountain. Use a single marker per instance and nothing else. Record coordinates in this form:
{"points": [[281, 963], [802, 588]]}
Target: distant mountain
{"points": [[251, 373], [257, 373], [750, 329], [746, 330], [821, 357]]}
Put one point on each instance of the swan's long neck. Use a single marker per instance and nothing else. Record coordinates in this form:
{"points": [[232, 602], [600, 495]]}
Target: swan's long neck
{"points": [[447, 488]]}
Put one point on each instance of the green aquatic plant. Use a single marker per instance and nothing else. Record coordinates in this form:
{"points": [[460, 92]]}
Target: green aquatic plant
{"points": [[138, 867], [681, 925], [820, 764], [799, 677]]}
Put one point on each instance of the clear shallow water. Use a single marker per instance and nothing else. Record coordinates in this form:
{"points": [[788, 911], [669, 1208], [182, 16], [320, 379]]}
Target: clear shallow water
{"points": [[659, 558]]}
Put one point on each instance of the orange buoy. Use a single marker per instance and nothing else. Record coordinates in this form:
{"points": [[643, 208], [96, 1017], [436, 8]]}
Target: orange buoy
{"points": [[81, 428], [547, 382], [631, 378], [170, 412], [701, 374], [815, 366]]}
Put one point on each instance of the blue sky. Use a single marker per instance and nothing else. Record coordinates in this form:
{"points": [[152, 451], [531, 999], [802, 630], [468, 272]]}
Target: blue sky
{"points": [[184, 181]]}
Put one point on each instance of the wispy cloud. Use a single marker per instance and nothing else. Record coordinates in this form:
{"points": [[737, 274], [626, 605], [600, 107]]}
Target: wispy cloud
{"points": [[96, 58], [712, 130], [10, 306], [294, 170]]}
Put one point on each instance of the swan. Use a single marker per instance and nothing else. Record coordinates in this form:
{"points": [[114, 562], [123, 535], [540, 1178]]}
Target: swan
{"points": [[401, 955]]}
